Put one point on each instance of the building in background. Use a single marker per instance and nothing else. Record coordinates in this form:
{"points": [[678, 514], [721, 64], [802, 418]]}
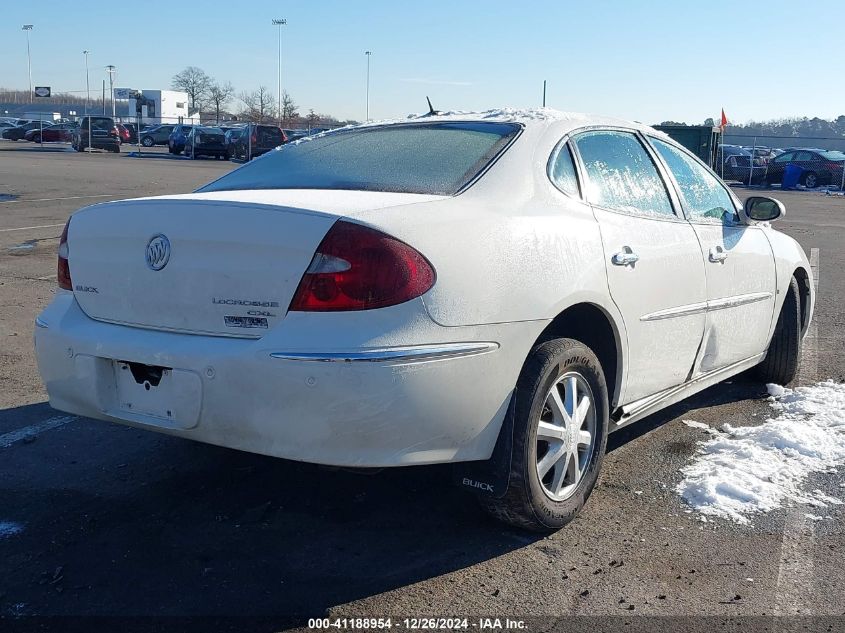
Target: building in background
{"points": [[165, 106]]}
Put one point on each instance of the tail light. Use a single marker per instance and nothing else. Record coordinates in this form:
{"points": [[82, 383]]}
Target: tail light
{"points": [[359, 268], [63, 271], [253, 138]]}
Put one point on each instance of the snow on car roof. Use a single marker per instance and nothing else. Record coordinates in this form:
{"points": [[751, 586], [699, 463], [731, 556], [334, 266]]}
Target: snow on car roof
{"points": [[563, 121]]}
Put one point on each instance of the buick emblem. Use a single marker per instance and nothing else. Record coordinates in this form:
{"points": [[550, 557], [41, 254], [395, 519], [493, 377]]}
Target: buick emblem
{"points": [[158, 252]]}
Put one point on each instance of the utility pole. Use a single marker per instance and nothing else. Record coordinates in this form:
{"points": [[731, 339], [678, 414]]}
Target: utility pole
{"points": [[544, 93], [87, 84], [110, 69], [28, 28], [368, 54], [279, 23]]}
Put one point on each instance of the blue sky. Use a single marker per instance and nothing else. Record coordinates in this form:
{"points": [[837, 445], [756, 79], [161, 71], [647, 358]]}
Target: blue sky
{"points": [[648, 61]]}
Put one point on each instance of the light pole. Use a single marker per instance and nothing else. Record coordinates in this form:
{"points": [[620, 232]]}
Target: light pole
{"points": [[28, 28], [87, 85], [280, 23], [368, 54], [111, 70]]}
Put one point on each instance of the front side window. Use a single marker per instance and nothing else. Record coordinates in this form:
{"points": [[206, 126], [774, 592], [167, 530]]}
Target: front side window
{"points": [[563, 171], [621, 175], [785, 158], [430, 158], [704, 197]]}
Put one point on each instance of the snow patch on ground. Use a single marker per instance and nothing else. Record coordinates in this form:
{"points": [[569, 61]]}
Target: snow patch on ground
{"points": [[8, 528], [743, 471], [698, 425], [776, 391]]}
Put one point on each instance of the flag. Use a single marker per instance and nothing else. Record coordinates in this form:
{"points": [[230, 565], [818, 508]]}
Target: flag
{"points": [[724, 122]]}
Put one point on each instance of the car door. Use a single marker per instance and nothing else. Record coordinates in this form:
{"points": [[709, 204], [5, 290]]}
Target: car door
{"points": [[738, 260], [652, 257], [774, 172]]}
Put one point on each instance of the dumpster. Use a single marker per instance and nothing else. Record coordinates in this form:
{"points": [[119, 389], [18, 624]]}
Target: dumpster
{"points": [[791, 176]]}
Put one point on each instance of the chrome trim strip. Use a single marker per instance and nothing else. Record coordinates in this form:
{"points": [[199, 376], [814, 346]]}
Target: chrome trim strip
{"points": [[671, 313], [639, 408], [737, 300], [39, 322], [417, 354], [709, 306]]}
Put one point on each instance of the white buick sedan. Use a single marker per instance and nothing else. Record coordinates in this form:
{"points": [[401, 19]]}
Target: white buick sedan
{"points": [[498, 290]]}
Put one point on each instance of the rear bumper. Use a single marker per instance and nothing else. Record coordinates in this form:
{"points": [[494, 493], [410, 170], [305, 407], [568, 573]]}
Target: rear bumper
{"points": [[389, 404]]}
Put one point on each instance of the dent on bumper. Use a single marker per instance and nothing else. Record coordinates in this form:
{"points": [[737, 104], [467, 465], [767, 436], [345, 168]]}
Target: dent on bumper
{"points": [[387, 406]]}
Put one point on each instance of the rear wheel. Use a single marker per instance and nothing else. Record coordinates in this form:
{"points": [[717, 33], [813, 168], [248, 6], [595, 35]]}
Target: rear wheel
{"points": [[560, 423], [147, 141], [784, 354], [810, 180]]}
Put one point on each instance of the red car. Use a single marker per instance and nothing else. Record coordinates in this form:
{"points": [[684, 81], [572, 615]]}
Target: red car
{"points": [[123, 132], [60, 133]]}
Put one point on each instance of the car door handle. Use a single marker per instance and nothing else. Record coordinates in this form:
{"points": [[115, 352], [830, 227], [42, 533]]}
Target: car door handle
{"points": [[718, 254], [625, 257]]}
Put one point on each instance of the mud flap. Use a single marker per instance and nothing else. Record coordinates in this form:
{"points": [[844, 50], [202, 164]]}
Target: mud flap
{"points": [[492, 476]]}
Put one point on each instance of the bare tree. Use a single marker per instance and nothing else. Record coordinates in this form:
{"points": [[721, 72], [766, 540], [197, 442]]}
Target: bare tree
{"points": [[219, 95], [260, 106], [196, 83], [289, 107]]}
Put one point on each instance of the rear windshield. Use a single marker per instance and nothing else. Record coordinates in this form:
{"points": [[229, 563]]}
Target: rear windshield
{"points": [[429, 158], [833, 155], [99, 123]]}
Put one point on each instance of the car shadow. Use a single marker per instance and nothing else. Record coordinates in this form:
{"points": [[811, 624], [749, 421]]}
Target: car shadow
{"points": [[741, 387], [133, 522], [143, 523]]}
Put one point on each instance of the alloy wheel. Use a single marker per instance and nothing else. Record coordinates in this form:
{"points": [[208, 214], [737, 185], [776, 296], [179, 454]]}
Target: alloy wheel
{"points": [[566, 436]]}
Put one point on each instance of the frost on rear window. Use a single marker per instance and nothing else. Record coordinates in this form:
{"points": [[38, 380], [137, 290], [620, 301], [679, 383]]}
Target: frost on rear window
{"points": [[428, 158], [705, 198], [621, 175]]}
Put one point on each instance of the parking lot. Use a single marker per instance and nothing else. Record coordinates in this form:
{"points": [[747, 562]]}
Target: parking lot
{"points": [[104, 520]]}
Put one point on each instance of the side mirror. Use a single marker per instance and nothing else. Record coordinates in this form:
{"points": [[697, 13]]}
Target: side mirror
{"points": [[762, 209]]}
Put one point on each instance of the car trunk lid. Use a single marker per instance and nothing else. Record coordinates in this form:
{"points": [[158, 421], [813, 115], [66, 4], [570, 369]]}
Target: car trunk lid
{"points": [[224, 263]]}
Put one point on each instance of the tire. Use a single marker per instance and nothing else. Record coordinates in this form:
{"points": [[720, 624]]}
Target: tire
{"points": [[810, 180], [533, 502], [147, 141], [784, 354], [116, 150]]}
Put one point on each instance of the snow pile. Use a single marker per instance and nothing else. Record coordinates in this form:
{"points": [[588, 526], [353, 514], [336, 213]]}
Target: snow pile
{"points": [[7, 528], [743, 471]]}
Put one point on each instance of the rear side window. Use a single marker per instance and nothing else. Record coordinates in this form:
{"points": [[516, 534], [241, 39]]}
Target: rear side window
{"points": [[621, 175], [431, 158], [705, 198], [563, 171]]}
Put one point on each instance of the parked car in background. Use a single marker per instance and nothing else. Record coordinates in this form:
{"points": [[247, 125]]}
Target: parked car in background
{"points": [[735, 163], [315, 305], [205, 141], [293, 135], [123, 133], [60, 133], [255, 140], [176, 141], [156, 135], [132, 128], [765, 154], [97, 132], [819, 167], [18, 133]]}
